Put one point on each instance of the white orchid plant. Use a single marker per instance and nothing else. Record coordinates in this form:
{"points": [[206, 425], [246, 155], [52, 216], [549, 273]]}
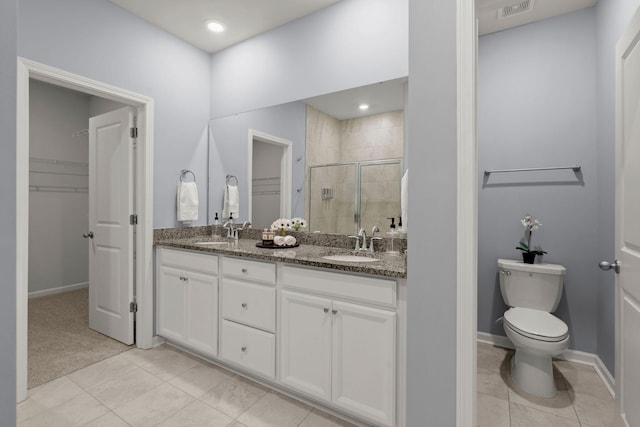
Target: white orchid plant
{"points": [[530, 224], [283, 224]]}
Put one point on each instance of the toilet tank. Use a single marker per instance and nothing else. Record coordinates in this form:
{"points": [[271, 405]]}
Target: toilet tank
{"points": [[537, 286]]}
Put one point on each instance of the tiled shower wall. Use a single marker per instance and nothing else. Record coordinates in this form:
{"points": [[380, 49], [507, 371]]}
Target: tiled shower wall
{"points": [[375, 137]]}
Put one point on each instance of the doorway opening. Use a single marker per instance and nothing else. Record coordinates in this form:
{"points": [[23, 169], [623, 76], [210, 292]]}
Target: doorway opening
{"points": [[141, 204], [59, 334], [269, 178]]}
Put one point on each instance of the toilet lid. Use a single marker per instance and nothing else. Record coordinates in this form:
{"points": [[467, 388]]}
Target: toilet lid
{"points": [[536, 324]]}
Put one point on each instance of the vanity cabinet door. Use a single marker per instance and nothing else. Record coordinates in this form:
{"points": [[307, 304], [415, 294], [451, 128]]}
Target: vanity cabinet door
{"points": [[172, 304], [364, 365], [202, 312], [187, 301], [305, 344]]}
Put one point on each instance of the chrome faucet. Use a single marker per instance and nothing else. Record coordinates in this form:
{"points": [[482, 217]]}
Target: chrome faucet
{"points": [[374, 230], [229, 226], [363, 234]]}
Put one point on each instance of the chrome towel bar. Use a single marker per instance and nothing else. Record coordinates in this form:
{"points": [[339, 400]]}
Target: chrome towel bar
{"points": [[574, 168]]}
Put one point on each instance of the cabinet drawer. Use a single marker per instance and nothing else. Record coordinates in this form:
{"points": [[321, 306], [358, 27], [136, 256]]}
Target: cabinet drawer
{"points": [[250, 304], [250, 270], [359, 288], [249, 348], [204, 263]]}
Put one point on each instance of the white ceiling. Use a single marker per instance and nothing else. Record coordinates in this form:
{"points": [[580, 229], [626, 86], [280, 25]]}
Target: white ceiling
{"points": [[381, 97], [244, 19], [487, 13]]}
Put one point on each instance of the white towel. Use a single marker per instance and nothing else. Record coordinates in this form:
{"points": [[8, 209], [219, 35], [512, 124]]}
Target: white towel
{"points": [[187, 209], [231, 202], [404, 200]]}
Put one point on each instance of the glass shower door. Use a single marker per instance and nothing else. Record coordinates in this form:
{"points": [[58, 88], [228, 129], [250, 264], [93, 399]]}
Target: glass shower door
{"points": [[332, 191]]}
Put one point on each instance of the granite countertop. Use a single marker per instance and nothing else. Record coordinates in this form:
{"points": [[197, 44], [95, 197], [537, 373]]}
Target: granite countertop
{"points": [[309, 255]]}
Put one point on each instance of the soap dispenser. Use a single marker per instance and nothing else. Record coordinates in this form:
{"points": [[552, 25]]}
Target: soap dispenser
{"points": [[393, 245], [215, 232]]}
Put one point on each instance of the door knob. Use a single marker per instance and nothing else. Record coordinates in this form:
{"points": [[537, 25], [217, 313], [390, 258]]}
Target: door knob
{"points": [[615, 266], [88, 235]]}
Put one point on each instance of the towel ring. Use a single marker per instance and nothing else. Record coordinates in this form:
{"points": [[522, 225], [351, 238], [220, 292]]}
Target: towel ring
{"points": [[184, 173], [230, 178]]}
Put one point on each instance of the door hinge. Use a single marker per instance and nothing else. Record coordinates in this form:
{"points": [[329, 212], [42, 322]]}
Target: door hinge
{"points": [[133, 219], [133, 307], [134, 133]]}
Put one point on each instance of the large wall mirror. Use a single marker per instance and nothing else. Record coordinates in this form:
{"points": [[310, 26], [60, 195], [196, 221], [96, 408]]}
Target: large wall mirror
{"points": [[328, 159]]}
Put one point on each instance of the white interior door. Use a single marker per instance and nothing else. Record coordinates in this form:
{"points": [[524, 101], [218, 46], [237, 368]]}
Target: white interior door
{"points": [[628, 220], [110, 204]]}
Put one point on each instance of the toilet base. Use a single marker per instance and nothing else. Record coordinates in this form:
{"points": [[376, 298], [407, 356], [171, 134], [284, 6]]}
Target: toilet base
{"points": [[533, 373]]}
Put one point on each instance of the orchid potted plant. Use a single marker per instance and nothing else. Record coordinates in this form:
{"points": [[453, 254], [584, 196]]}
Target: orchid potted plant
{"points": [[530, 224]]}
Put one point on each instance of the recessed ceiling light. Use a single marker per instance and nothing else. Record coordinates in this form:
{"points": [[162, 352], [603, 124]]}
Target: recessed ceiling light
{"points": [[216, 26], [364, 107]]}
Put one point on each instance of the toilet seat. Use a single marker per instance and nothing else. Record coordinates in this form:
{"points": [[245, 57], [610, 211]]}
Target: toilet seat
{"points": [[536, 324]]}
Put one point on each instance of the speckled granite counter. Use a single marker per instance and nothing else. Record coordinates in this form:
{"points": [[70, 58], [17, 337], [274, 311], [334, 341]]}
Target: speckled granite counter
{"points": [[309, 255]]}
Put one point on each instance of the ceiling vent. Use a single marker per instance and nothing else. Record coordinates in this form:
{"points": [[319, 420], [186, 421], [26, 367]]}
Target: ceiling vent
{"points": [[516, 9]]}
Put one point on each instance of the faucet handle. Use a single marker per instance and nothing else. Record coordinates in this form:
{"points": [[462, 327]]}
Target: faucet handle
{"points": [[371, 249], [357, 248]]}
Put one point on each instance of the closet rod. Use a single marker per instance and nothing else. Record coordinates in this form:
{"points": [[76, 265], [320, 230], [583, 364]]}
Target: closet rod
{"points": [[576, 168], [57, 162], [58, 189]]}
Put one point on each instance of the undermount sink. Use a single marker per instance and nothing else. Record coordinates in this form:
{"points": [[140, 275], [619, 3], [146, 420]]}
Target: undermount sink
{"points": [[350, 258], [211, 243]]}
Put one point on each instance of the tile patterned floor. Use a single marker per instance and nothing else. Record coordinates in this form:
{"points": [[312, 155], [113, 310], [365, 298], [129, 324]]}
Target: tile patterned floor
{"points": [[165, 387], [582, 399]]}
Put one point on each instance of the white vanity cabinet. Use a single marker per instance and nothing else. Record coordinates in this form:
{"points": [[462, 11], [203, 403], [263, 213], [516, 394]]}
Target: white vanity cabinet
{"points": [[248, 311], [335, 345], [187, 299]]}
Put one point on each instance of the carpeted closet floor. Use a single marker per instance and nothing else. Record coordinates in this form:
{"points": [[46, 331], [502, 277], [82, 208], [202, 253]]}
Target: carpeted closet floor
{"points": [[60, 341]]}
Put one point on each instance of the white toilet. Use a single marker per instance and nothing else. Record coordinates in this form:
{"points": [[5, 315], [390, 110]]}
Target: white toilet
{"points": [[532, 292]]}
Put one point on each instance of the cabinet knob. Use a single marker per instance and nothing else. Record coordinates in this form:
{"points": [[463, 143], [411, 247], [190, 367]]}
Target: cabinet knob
{"points": [[243, 348], [326, 310], [244, 270], [334, 311], [244, 305]]}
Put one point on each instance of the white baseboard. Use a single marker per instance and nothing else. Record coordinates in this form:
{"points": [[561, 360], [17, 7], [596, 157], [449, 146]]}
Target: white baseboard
{"points": [[58, 290], [569, 355]]}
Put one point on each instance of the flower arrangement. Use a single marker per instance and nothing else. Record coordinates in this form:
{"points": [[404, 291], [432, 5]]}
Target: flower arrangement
{"points": [[281, 225], [530, 224]]}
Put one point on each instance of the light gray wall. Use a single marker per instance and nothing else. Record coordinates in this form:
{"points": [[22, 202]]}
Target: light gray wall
{"points": [[431, 287], [99, 106], [612, 17], [537, 108], [229, 142], [351, 43], [58, 254], [125, 51], [8, 52]]}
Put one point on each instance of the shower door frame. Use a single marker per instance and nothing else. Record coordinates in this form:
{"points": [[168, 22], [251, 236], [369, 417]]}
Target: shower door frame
{"points": [[358, 184]]}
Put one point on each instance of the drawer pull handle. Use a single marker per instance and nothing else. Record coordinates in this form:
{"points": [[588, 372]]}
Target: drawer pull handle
{"points": [[244, 270], [244, 305], [326, 310], [243, 348], [334, 311]]}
